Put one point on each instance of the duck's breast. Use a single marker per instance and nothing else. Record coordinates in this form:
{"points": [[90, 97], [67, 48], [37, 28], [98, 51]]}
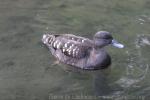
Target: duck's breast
{"points": [[99, 60]]}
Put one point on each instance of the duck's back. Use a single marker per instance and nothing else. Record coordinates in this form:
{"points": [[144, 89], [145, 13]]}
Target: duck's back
{"points": [[69, 49]]}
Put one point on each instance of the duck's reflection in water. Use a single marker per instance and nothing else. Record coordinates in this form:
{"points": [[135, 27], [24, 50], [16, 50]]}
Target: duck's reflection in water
{"points": [[99, 80], [101, 83]]}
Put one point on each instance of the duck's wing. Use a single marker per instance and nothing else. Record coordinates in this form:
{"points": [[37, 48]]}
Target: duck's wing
{"points": [[70, 45], [77, 38], [75, 49]]}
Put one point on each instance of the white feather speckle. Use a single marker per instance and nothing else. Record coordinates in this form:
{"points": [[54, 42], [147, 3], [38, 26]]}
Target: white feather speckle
{"points": [[65, 45], [73, 53], [83, 40], [54, 44], [64, 49], [58, 45], [69, 52]]}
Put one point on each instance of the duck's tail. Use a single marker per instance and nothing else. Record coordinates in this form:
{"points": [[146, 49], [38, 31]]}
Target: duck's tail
{"points": [[48, 38]]}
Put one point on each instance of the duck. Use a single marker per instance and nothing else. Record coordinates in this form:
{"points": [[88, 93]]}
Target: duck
{"points": [[81, 52]]}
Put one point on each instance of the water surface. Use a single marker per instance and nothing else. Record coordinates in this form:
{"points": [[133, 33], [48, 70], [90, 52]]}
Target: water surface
{"points": [[26, 70]]}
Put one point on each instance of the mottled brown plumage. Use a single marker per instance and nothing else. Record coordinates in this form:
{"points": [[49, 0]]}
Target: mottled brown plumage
{"points": [[79, 51]]}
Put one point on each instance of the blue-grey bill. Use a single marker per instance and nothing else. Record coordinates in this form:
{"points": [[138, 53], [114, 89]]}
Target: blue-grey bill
{"points": [[117, 44]]}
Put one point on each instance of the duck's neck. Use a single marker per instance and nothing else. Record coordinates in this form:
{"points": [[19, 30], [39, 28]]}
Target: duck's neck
{"points": [[98, 49], [97, 56]]}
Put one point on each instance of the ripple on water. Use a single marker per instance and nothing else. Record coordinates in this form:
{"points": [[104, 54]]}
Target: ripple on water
{"points": [[142, 40], [137, 64], [143, 19]]}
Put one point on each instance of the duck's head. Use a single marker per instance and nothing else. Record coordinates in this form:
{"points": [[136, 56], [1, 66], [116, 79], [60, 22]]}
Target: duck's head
{"points": [[104, 38]]}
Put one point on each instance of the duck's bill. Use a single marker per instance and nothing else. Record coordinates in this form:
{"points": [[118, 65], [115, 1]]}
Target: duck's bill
{"points": [[117, 44]]}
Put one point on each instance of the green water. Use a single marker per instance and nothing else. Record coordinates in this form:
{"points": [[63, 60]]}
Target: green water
{"points": [[26, 70]]}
